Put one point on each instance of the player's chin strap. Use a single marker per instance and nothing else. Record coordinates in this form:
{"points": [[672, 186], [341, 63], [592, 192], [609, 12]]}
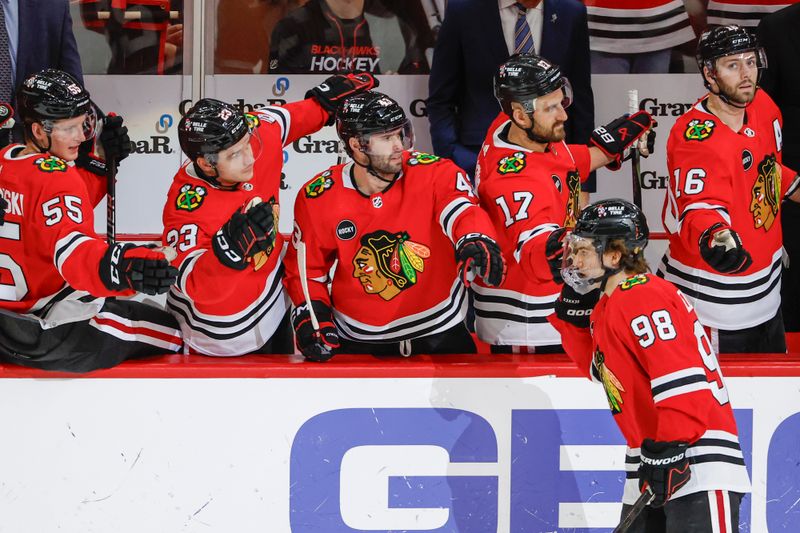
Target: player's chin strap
{"points": [[371, 170], [212, 180], [529, 131]]}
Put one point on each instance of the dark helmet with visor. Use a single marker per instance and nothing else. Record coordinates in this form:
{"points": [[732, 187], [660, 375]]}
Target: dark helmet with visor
{"points": [[369, 113], [723, 41], [209, 127], [50, 95], [597, 225], [525, 77]]}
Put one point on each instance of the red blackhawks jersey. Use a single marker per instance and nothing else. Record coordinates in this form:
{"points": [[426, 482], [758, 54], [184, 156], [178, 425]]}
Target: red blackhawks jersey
{"points": [[527, 195], [396, 277], [662, 381], [48, 248], [223, 311], [736, 178]]}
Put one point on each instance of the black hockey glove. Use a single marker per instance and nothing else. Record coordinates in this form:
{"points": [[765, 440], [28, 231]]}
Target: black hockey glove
{"points": [[554, 250], [143, 269], [722, 249], [576, 308], [616, 137], [115, 142], [332, 93], [664, 468], [319, 345], [3, 207], [245, 235], [482, 252]]}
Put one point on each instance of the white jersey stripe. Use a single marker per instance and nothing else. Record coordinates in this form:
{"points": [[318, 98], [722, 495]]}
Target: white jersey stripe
{"points": [[65, 246]]}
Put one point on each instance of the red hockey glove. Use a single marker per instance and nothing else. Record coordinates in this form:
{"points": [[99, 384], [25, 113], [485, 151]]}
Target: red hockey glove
{"points": [[143, 269], [482, 252], [319, 345], [554, 250], [245, 235], [332, 93], [722, 249], [616, 137], [3, 207], [575, 308], [664, 468]]}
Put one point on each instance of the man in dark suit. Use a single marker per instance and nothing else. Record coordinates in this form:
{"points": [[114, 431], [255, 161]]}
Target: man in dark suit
{"points": [[39, 34], [777, 33], [473, 43]]}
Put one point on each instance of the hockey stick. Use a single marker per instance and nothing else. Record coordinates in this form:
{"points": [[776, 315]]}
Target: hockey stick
{"points": [[111, 199], [643, 501], [636, 170], [301, 266]]}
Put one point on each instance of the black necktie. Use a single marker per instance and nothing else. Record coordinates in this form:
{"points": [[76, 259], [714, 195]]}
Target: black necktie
{"points": [[6, 76]]}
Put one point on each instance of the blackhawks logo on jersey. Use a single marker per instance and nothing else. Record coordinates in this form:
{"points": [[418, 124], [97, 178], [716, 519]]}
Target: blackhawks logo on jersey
{"points": [[766, 193], [699, 130], [633, 281], [421, 158], [388, 263], [573, 199], [512, 164], [190, 197], [611, 384], [319, 185], [51, 164]]}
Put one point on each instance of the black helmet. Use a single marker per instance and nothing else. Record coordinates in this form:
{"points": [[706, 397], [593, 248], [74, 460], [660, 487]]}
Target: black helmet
{"points": [[52, 94], [525, 77], [209, 127], [725, 41], [614, 219], [370, 112]]}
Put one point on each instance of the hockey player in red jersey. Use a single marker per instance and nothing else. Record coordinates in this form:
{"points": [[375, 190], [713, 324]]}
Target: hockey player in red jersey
{"points": [[222, 217], [54, 270], [529, 181], [726, 185], [405, 228], [643, 342]]}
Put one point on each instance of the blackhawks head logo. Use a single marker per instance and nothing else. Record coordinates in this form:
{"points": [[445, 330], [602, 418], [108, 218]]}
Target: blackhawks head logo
{"points": [[766, 194], [51, 164], [512, 164], [252, 120], [610, 382], [319, 185], [190, 197], [573, 199], [699, 130], [388, 263]]}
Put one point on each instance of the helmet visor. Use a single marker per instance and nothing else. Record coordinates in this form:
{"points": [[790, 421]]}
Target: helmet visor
{"points": [[67, 130], [738, 62], [582, 264], [387, 143]]}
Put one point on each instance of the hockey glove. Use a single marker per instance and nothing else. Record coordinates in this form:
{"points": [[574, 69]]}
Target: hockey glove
{"points": [[143, 269], [3, 207], [554, 250], [319, 345], [664, 468], [245, 235], [115, 143], [615, 138], [332, 93], [482, 252], [722, 249], [576, 308]]}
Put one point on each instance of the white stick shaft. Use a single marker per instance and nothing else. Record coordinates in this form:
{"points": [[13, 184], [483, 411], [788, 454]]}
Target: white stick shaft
{"points": [[633, 101], [301, 266]]}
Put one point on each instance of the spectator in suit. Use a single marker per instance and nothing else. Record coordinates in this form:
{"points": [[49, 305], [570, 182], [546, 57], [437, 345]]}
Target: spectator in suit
{"points": [[35, 35], [475, 38], [777, 32]]}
